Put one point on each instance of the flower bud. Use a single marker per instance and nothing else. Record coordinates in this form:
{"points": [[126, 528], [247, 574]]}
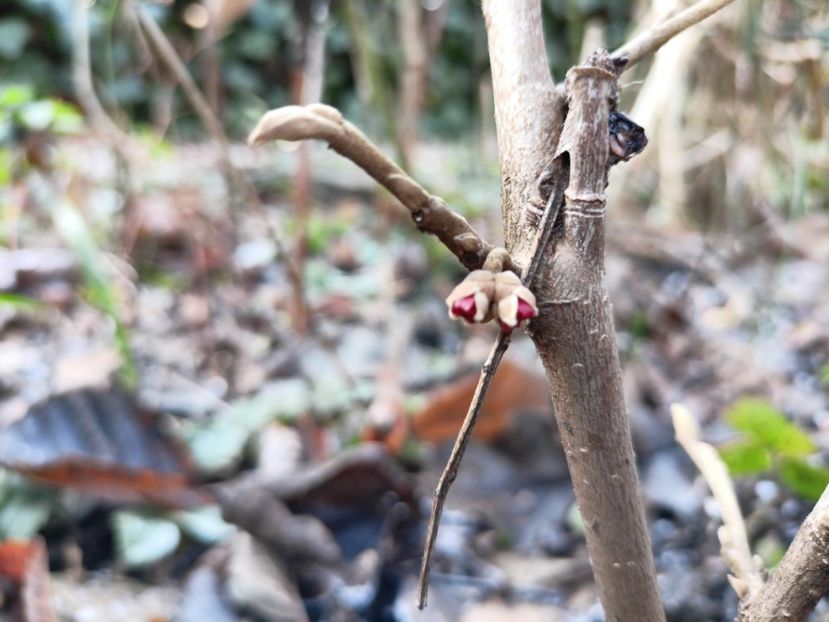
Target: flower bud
{"points": [[472, 298], [514, 303]]}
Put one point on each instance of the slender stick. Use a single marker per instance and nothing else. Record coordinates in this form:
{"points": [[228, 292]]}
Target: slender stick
{"points": [[450, 472], [488, 370], [654, 38], [175, 65], [82, 76]]}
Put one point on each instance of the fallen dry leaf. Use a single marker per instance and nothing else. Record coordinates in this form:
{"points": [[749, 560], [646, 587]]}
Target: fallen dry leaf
{"points": [[101, 443], [513, 390]]}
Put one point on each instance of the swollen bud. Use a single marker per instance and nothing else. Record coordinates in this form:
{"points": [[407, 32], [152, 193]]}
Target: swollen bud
{"points": [[514, 303], [472, 298]]}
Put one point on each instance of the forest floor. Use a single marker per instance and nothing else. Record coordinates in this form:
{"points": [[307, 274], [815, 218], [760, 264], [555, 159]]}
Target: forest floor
{"points": [[190, 445]]}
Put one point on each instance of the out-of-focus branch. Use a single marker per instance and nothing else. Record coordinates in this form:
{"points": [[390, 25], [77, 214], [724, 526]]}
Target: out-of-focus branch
{"points": [[654, 38], [802, 576], [413, 81], [429, 213], [168, 55], [746, 580], [82, 76]]}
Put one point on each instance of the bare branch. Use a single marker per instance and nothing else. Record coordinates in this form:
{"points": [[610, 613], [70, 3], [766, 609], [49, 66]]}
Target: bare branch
{"points": [[450, 472], [168, 55], [651, 40], [802, 576], [429, 213], [82, 76], [746, 580]]}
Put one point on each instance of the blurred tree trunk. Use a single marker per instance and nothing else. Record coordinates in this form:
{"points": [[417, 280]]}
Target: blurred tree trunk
{"points": [[307, 85], [574, 333], [413, 81]]}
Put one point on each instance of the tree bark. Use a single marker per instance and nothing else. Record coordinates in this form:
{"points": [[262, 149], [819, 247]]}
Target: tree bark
{"points": [[574, 332], [529, 112], [802, 577]]}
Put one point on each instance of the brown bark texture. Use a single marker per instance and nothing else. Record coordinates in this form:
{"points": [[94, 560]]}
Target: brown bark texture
{"points": [[802, 577], [574, 333], [528, 113], [576, 341]]}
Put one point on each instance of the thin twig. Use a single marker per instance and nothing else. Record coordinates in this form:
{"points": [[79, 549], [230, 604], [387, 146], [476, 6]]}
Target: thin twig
{"points": [[82, 77], [429, 213], [168, 55], [451, 470], [175, 65], [654, 38], [488, 370]]}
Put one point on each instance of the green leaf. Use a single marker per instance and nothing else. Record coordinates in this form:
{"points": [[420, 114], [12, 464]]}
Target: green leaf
{"points": [[764, 423], [6, 165], [19, 301], [67, 118], [804, 479], [204, 524], [218, 444], [15, 95], [746, 457], [824, 374], [141, 539], [24, 510]]}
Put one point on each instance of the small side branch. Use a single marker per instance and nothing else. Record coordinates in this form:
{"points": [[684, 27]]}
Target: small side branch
{"points": [[802, 576], [429, 213], [450, 472], [654, 38]]}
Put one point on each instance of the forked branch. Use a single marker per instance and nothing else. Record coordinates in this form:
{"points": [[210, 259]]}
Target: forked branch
{"points": [[429, 213], [654, 38]]}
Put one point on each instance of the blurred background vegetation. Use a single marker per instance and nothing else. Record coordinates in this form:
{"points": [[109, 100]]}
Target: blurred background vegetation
{"points": [[749, 89], [249, 295]]}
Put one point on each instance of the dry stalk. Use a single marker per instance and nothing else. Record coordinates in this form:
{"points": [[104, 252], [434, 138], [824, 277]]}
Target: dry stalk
{"points": [[746, 579]]}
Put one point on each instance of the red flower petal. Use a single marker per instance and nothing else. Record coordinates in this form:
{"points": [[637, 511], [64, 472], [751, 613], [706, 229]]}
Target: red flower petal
{"points": [[465, 307], [525, 311]]}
